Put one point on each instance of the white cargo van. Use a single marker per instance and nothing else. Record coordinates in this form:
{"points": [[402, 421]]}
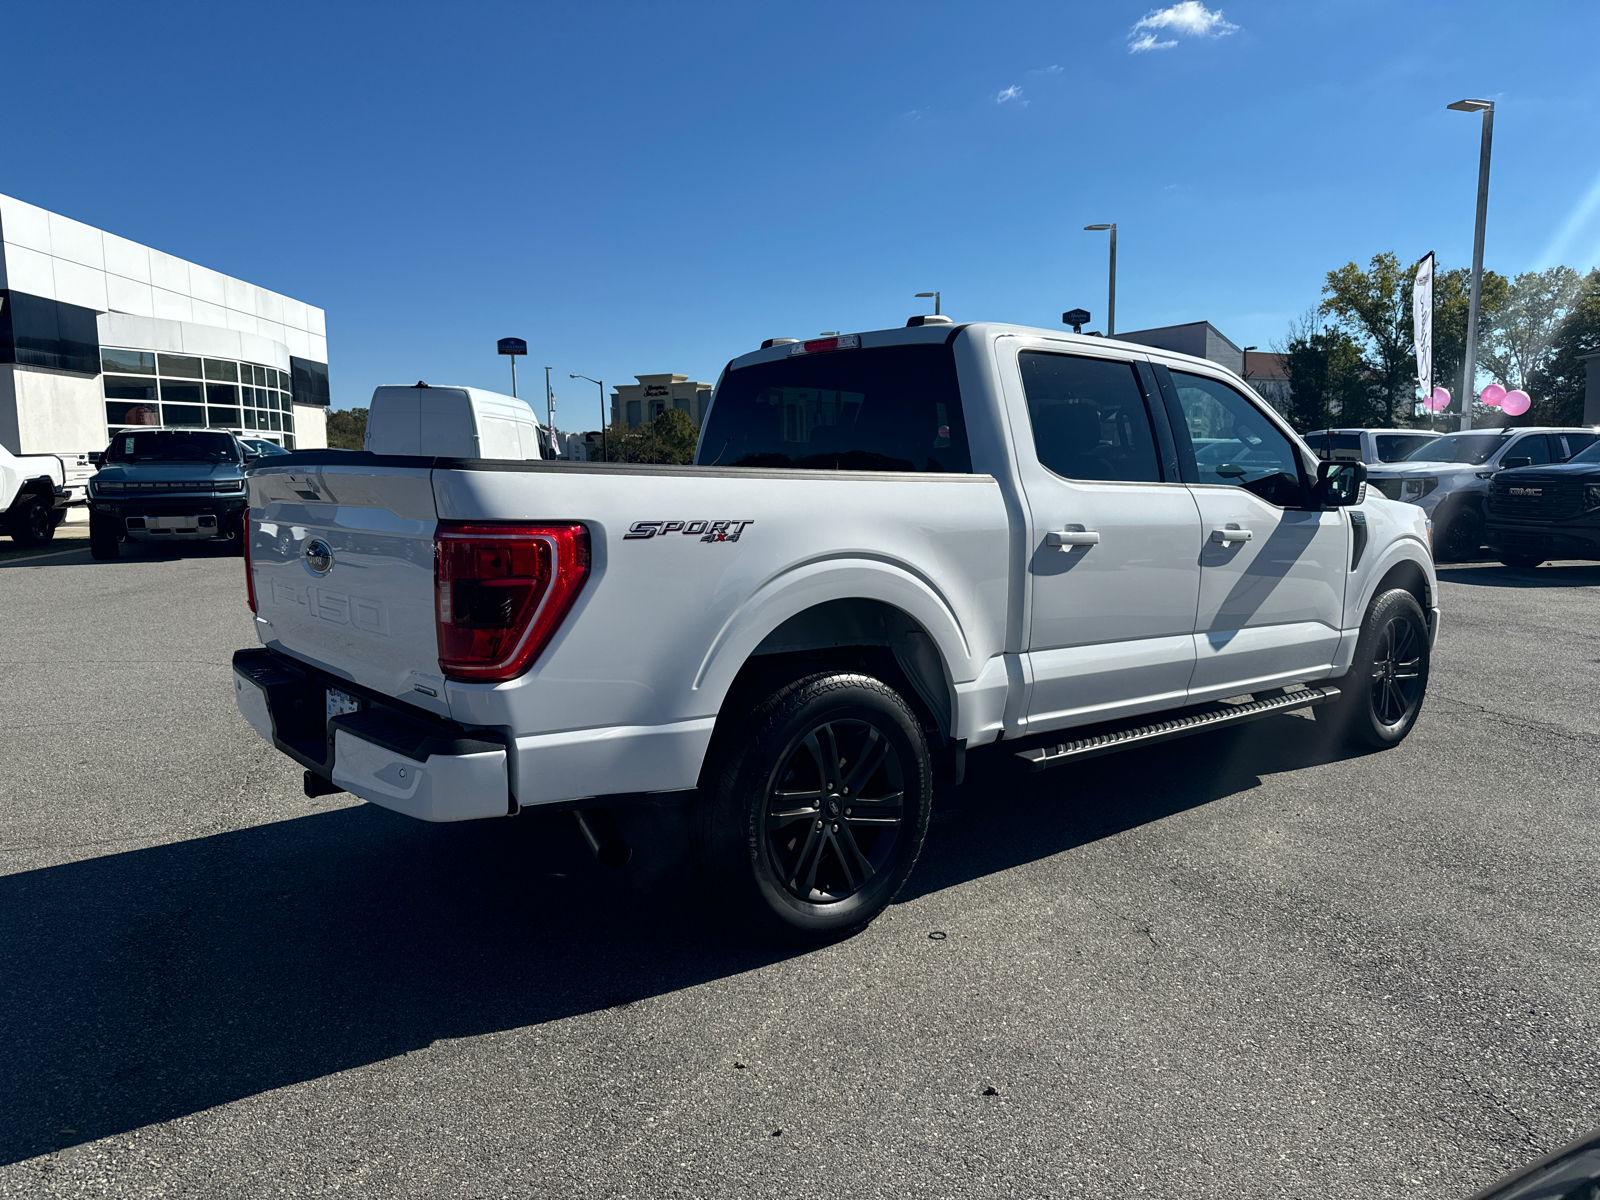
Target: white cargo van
{"points": [[452, 422]]}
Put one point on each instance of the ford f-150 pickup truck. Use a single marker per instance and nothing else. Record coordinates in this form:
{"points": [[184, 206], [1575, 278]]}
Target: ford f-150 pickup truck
{"points": [[893, 547]]}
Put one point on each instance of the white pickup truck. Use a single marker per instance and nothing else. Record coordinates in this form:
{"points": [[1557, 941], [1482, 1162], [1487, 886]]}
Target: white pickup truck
{"points": [[33, 496], [894, 547]]}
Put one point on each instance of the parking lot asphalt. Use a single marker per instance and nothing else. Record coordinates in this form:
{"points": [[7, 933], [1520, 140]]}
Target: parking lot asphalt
{"points": [[1235, 965]]}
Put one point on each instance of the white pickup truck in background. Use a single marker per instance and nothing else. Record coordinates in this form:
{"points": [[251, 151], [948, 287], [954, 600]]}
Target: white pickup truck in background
{"points": [[33, 496], [894, 547]]}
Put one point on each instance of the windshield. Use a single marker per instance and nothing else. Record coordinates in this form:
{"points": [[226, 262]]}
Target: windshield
{"points": [[171, 445], [1591, 455], [1392, 447], [257, 446], [1459, 448]]}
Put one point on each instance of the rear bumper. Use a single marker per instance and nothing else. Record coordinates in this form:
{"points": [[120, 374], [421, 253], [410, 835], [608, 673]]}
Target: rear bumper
{"points": [[1552, 541], [389, 754]]}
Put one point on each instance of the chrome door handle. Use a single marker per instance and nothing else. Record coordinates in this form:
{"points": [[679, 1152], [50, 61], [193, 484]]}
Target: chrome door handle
{"points": [[1235, 534], [1068, 538]]}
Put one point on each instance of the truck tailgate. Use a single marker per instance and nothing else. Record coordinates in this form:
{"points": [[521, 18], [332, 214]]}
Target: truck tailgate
{"points": [[342, 561]]}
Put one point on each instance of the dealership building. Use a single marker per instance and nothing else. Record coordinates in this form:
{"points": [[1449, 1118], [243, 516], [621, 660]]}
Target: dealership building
{"points": [[99, 334]]}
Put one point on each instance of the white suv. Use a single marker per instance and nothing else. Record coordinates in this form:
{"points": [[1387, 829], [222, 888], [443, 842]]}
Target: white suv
{"points": [[1449, 476], [1371, 446]]}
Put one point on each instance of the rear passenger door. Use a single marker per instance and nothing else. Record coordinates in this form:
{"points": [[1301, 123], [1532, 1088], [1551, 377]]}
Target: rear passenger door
{"points": [[1114, 536], [1272, 573]]}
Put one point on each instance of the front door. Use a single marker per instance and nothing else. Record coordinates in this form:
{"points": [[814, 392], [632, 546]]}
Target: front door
{"points": [[1113, 570], [1272, 574]]}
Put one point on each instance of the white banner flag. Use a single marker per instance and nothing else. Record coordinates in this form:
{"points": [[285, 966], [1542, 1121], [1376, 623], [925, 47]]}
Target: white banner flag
{"points": [[1422, 323]]}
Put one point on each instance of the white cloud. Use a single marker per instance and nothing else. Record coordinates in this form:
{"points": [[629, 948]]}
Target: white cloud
{"points": [[1010, 93], [1189, 18]]}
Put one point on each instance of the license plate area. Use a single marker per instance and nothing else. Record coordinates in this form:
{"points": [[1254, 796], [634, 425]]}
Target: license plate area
{"points": [[339, 703]]}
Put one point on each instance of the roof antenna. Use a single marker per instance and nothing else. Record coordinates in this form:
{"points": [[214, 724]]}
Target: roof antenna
{"points": [[419, 383]]}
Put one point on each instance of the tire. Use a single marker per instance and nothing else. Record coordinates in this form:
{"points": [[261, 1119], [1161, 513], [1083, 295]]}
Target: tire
{"points": [[1522, 562], [1388, 678], [786, 839], [103, 542], [1462, 536], [34, 522]]}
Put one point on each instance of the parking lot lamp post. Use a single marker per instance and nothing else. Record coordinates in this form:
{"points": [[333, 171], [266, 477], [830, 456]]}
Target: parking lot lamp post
{"points": [[603, 422], [934, 296], [1470, 366], [1111, 300], [549, 405]]}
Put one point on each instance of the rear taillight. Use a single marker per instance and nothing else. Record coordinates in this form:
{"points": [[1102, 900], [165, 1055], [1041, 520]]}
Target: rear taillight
{"points": [[249, 571], [501, 592]]}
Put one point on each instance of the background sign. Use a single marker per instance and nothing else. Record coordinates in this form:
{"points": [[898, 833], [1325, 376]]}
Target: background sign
{"points": [[1077, 318], [1422, 323], [512, 346]]}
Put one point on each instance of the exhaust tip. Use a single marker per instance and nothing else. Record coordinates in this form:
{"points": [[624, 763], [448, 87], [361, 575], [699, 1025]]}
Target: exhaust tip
{"points": [[605, 840]]}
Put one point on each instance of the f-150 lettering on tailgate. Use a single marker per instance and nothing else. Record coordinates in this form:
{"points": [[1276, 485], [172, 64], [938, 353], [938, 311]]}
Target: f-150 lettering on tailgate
{"points": [[336, 608]]}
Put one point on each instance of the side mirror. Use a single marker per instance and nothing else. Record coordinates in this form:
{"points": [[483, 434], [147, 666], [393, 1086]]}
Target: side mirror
{"points": [[1521, 460], [1341, 484]]}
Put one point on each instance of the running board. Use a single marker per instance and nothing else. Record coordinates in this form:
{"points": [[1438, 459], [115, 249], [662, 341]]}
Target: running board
{"points": [[1163, 731]]}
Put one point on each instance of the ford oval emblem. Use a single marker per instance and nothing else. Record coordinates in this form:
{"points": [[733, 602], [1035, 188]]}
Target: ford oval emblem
{"points": [[319, 556]]}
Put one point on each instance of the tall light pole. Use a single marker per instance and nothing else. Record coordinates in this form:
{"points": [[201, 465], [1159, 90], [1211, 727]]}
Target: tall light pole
{"points": [[1470, 367], [549, 404], [1111, 301], [934, 296], [603, 422]]}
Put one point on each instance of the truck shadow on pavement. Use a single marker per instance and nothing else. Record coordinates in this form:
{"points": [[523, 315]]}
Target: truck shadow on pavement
{"points": [[1567, 575], [144, 986]]}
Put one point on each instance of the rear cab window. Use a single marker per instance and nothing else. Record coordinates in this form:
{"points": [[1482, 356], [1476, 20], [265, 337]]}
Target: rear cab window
{"points": [[884, 408]]}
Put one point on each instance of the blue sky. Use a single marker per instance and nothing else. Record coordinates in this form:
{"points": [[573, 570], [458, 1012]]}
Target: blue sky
{"points": [[642, 188]]}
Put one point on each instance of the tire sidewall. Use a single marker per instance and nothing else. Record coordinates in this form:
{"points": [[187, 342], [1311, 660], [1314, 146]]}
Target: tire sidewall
{"points": [[769, 740], [1386, 608]]}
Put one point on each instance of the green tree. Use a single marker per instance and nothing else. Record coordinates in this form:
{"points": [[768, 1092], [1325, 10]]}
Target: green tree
{"points": [[1451, 291], [347, 428], [1522, 335], [1558, 385], [1373, 307], [670, 438], [1327, 378]]}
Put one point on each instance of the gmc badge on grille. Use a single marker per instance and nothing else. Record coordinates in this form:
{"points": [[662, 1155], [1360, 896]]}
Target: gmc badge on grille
{"points": [[1526, 491]]}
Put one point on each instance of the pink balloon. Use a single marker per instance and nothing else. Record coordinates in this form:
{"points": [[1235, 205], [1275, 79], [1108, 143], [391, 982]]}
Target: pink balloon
{"points": [[1516, 403], [1438, 401], [1492, 395]]}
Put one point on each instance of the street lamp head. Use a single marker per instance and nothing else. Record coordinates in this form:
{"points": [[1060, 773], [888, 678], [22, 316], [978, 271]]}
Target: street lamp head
{"points": [[924, 295], [1097, 228], [1471, 105]]}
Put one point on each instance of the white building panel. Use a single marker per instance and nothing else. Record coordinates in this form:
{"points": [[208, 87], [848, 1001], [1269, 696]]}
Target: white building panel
{"points": [[208, 285], [298, 341], [207, 313], [76, 242], [294, 313], [23, 224], [319, 348], [315, 324], [140, 333], [268, 353], [31, 271], [80, 285], [211, 341], [242, 321], [172, 306], [269, 305], [127, 259], [57, 413], [124, 295], [238, 295], [169, 273]]}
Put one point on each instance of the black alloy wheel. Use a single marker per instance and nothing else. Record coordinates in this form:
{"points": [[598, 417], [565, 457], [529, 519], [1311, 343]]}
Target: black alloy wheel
{"points": [[1388, 678], [35, 524], [1462, 535], [814, 806], [834, 811], [1396, 672]]}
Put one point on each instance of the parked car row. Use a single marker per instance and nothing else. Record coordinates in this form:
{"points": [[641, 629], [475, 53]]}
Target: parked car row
{"points": [[1456, 479]]}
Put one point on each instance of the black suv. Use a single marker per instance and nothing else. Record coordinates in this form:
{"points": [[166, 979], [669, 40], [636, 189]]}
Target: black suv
{"points": [[1552, 511]]}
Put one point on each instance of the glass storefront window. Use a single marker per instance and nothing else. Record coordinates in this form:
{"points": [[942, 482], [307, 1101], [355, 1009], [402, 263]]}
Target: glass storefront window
{"points": [[249, 418], [273, 421], [179, 365], [223, 418], [180, 393], [226, 372], [120, 413], [183, 415], [221, 393], [129, 387], [131, 362]]}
